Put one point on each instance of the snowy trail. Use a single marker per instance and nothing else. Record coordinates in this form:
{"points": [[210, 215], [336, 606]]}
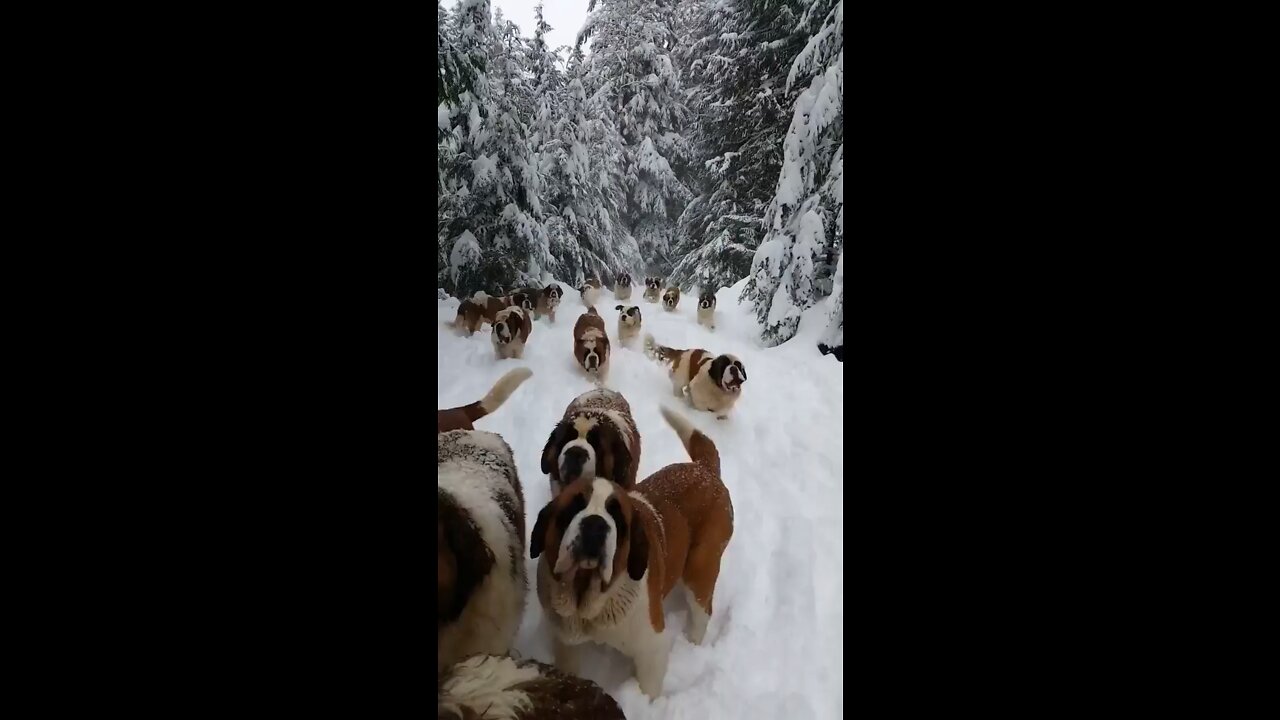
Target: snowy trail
{"points": [[774, 646]]}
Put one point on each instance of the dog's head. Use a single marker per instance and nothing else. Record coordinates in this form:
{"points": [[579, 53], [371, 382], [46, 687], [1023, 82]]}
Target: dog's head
{"points": [[506, 327], [728, 373], [624, 280], [591, 528], [629, 316], [592, 349], [523, 300], [671, 297], [552, 293], [653, 283], [707, 301], [462, 558], [586, 445]]}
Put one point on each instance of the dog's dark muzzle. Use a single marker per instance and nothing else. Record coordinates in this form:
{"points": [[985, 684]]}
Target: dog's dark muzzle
{"points": [[571, 464], [592, 532]]}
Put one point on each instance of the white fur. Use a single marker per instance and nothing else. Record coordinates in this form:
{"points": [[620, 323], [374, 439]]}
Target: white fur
{"points": [[482, 683], [632, 634], [698, 618], [491, 617]]}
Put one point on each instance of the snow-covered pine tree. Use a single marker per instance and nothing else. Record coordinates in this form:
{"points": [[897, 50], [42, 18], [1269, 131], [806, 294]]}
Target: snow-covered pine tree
{"points": [[737, 71], [805, 221], [631, 72], [490, 186]]}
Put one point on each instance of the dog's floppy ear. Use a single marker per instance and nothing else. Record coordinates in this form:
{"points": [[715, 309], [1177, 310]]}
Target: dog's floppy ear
{"points": [[718, 367], [638, 559], [539, 531], [559, 436]]}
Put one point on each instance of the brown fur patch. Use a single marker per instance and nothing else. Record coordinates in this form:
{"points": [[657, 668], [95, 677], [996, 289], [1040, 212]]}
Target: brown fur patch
{"points": [[463, 555]]}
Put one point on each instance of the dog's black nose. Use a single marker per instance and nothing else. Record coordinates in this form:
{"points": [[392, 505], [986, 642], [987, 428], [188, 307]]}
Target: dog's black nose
{"points": [[571, 464], [593, 531]]}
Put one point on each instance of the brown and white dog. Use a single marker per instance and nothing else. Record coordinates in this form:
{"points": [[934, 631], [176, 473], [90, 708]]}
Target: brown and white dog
{"points": [[471, 315], [652, 289], [480, 578], [707, 309], [511, 329], [622, 286], [590, 292], [610, 557], [488, 686], [670, 299], [481, 308], [461, 418], [714, 382], [596, 437], [628, 324], [591, 345], [546, 300]]}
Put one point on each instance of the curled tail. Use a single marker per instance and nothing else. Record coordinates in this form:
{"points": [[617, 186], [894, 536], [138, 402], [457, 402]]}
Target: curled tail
{"points": [[501, 390], [661, 353], [700, 447]]}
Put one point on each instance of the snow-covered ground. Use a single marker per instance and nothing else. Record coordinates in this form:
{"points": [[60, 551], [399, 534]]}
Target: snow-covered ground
{"points": [[774, 646]]}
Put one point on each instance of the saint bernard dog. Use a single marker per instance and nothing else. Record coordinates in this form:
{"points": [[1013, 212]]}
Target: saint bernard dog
{"points": [[591, 345], [622, 286], [628, 324], [480, 577], [707, 309], [546, 301], [488, 686], [461, 418], [511, 330], [590, 292], [481, 308], [471, 315], [652, 289], [714, 382], [610, 556], [670, 299], [596, 437]]}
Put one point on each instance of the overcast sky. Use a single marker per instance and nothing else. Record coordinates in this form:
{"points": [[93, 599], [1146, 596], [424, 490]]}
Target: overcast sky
{"points": [[564, 16]]}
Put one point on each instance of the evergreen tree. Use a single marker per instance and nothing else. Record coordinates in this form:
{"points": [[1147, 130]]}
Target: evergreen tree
{"points": [[805, 221], [630, 71], [490, 184], [738, 66]]}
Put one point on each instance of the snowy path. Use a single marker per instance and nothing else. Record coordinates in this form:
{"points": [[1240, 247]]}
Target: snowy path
{"points": [[774, 647]]}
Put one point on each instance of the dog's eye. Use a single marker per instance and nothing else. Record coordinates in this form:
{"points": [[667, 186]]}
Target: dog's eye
{"points": [[577, 505]]}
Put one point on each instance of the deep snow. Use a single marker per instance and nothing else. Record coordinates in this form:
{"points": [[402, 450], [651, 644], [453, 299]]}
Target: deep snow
{"points": [[774, 646]]}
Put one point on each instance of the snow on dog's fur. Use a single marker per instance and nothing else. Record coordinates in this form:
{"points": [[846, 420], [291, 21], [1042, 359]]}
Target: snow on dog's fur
{"points": [[500, 688], [481, 581]]}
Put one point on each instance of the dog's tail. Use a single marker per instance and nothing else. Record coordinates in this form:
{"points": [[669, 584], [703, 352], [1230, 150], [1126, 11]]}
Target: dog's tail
{"points": [[502, 390], [661, 353], [700, 447]]}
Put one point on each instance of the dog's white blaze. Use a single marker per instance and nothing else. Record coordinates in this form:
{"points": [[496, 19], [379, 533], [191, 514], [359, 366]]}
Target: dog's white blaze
{"points": [[601, 489], [483, 683]]}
